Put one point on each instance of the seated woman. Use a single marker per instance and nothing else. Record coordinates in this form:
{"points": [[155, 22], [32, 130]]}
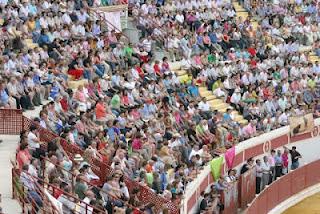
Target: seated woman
{"points": [[202, 131], [23, 156], [249, 96], [112, 190], [80, 97], [75, 69]]}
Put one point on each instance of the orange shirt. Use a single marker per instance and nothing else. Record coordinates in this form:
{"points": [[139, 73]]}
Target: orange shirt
{"points": [[148, 168], [100, 111]]}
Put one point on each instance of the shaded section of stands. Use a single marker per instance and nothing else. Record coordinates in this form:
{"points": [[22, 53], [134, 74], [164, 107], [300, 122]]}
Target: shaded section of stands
{"points": [[99, 168]]}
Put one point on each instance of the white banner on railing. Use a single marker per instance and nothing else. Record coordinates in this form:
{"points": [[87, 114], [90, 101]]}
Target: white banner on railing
{"points": [[115, 19], [55, 202]]}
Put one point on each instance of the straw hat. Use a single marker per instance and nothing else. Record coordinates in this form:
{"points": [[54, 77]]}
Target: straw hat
{"points": [[78, 157]]}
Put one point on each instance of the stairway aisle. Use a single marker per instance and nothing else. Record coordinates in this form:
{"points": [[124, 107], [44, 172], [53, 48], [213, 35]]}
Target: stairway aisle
{"points": [[7, 153], [216, 103]]}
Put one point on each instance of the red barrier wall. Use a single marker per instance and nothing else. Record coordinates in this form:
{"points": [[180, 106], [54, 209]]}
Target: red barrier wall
{"points": [[285, 187]]}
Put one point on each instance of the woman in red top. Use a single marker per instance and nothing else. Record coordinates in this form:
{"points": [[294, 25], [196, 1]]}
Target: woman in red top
{"points": [[157, 68], [252, 51], [140, 71]]}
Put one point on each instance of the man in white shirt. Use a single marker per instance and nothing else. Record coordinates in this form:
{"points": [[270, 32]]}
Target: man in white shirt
{"points": [[33, 141], [33, 167], [180, 18], [236, 97], [265, 166], [66, 19], [82, 16], [231, 176], [147, 44], [24, 10], [85, 204], [204, 108], [195, 151]]}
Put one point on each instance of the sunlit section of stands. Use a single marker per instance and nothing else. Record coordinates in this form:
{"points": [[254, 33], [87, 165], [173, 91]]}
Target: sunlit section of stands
{"points": [[29, 43], [215, 103]]}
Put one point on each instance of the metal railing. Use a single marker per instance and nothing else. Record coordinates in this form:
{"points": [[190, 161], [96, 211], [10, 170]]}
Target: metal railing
{"points": [[102, 170], [44, 189], [73, 177]]}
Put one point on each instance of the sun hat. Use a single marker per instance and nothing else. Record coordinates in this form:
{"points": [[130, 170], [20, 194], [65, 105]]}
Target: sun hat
{"points": [[78, 157]]}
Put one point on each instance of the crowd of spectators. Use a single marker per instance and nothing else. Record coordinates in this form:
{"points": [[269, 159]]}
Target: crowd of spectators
{"points": [[133, 111]]}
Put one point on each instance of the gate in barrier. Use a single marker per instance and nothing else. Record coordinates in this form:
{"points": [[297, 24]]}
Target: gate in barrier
{"points": [[247, 187]]}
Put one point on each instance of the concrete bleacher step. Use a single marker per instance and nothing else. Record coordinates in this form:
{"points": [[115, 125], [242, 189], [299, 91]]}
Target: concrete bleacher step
{"points": [[244, 15], [235, 112], [314, 58], [205, 93], [223, 110], [74, 84], [203, 89], [239, 8], [215, 102], [29, 43], [180, 72], [220, 106], [184, 78], [255, 25], [244, 122], [238, 118], [211, 97]]}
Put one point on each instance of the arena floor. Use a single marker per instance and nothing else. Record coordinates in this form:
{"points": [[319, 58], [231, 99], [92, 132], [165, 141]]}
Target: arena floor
{"points": [[310, 205]]}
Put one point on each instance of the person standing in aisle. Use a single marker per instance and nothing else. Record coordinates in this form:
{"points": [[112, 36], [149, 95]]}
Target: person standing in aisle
{"points": [[272, 166], [285, 161], [278, 164], [265, 172], [295, 156], [258, 176]]}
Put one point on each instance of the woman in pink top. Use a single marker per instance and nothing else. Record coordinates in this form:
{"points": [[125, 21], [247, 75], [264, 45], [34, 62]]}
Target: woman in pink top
{"points": [[23, 156], [137, 143], [197, 61], [81, 98], [80, 95], [285, 161]]}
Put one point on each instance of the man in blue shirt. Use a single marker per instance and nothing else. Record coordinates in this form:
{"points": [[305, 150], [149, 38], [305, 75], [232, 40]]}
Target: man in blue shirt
{"points": [[4, 97], [44, 38]]}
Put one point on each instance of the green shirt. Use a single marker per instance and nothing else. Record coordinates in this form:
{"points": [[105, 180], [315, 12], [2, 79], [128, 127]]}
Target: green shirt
{"points": [[212, 58], [149, 178], [115, 102], [311, 83], [216, 85], [80, 190], [199, 129], [276, 75], [128, 51]]}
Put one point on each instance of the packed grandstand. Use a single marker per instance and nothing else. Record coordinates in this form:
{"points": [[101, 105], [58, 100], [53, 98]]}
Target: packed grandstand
{"points": [[126, 124]]}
